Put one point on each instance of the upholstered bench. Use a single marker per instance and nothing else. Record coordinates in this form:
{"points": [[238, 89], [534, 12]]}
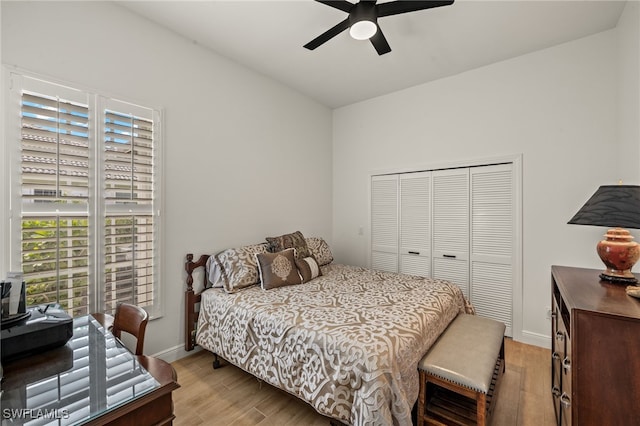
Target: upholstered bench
{"points": [[460, 374]]}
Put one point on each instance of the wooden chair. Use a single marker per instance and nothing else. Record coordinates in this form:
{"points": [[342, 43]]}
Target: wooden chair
{"points": [[133, 320], [129, 318]]}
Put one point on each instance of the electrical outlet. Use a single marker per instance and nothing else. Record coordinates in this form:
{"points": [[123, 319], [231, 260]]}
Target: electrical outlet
{"points": [[548, 312]]}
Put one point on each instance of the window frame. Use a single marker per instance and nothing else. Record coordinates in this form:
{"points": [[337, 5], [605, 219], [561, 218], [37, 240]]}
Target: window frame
{"points": [[96, 210]]}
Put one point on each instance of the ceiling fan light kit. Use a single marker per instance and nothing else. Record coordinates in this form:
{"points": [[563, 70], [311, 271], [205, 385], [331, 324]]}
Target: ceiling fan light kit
{"points": [[363, 30], [363, 19]]}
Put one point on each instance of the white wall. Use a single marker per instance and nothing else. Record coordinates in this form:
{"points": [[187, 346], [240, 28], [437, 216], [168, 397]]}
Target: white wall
{"points": [[246, 157], [629, 93], [556, 107], [4, 243]]}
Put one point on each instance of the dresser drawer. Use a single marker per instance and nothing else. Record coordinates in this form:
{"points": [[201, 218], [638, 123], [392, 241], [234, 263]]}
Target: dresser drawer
{"points": [[561, 358], [565, 373]]}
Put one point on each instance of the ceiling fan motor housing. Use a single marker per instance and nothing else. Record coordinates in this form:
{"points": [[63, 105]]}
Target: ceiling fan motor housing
{"points": [[363, 11], [362, 20]]}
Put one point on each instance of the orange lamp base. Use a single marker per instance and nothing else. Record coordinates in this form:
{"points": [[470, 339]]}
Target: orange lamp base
{"points": [[619, 253]]}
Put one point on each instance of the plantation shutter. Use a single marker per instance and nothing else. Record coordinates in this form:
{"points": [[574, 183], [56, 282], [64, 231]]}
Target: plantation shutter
{"points": [[54, 196], [129, 205], [55, 150], [85, 214]]}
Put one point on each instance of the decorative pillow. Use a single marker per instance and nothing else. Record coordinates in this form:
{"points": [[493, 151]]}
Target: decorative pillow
{"points": [[308, 268], [295, 240], [278, 269], [214, 273], [320, 250], [238, 267]]}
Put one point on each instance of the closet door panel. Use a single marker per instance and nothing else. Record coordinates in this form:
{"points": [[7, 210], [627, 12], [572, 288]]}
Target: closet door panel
{"points": [[454, 270], [492, 248], [451, 226], [382, 261], [384, 223], [491, 285], [415, 265], [415, 224]]}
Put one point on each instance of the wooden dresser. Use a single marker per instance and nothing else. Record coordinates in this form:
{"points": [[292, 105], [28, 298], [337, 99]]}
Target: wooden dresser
{"points": [[595, 350]]}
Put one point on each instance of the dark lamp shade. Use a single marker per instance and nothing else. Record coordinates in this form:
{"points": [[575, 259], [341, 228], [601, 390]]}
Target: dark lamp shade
{"points": [[614, 206]]}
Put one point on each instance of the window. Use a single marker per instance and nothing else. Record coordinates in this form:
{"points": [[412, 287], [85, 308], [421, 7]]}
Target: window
{"points": [[85, 197]]}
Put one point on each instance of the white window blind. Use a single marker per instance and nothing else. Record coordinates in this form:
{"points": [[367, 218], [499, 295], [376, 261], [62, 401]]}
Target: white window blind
{"points": [[128, 203], [55, 261], [54, 171], [55, 150], [85, 198]]}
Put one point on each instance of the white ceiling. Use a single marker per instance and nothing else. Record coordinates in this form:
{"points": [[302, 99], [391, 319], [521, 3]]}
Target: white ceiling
{"points": [[268, 35]]}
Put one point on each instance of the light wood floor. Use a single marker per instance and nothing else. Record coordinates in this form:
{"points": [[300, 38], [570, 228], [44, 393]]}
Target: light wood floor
{"points": [[229, 396]]}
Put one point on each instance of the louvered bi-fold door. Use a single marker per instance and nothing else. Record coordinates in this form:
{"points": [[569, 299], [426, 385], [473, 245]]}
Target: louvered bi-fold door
{"points": [[384, 223], [415, 224], [492, 248], [451, 227]]}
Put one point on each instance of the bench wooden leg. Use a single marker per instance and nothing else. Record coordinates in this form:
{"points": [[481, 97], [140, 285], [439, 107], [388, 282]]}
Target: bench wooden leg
{"points": [[481, 408], [422, 398]]}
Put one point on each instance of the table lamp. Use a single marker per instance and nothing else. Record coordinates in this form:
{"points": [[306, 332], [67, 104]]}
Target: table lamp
{"points": [[617, 207]]}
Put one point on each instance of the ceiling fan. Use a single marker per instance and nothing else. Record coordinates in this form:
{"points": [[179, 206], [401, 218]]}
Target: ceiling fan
{"points": [[363, 20]]}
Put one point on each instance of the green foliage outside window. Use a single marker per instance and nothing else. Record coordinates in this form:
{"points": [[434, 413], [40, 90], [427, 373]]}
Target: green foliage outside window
{"points": [[55, 262]]}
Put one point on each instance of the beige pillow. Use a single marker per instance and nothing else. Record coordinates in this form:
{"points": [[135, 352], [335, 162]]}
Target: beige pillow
{"points": [[320, 250], [294, 240], [237, 267], [278, 269]]}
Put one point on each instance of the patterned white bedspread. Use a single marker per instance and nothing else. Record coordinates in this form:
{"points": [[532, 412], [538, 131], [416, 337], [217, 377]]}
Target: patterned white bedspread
{"points": [[347, 342]]}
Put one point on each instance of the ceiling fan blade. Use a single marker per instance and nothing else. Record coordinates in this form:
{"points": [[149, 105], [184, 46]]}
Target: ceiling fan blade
{"points": [[402, 6], [328, 35], [380, 42], [343, 5]]}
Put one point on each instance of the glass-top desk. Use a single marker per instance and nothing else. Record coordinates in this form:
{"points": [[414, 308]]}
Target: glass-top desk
{"points": [[91, 380]]}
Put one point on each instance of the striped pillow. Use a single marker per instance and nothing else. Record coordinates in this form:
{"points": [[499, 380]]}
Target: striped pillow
{"points": [[309, 268]]}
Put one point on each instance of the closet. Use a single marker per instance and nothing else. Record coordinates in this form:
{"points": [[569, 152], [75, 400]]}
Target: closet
{"points": [[454, 224]]}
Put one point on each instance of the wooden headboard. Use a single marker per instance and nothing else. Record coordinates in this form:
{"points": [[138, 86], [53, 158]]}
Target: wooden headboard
{"points": [[191, 298]]}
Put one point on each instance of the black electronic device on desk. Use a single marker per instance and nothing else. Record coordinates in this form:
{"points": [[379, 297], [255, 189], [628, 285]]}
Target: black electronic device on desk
{"points": [[43, 328]]}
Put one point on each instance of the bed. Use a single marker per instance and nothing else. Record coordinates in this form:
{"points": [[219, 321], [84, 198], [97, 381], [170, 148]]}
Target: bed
{"points": [[347, 342]]}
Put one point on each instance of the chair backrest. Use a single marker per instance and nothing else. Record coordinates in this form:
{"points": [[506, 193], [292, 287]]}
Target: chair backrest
{"points": [[133, 320]]}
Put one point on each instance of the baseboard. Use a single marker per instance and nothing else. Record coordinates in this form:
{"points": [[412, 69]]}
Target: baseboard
{"points": [[535, 339], [175, 353]]}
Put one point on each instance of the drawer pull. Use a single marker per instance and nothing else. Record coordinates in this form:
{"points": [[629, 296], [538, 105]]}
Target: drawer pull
{"points": [[555, 356], [559, 336], [565, 400], [566, 363], [449, 256], [555, 391], [414, 252]]}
